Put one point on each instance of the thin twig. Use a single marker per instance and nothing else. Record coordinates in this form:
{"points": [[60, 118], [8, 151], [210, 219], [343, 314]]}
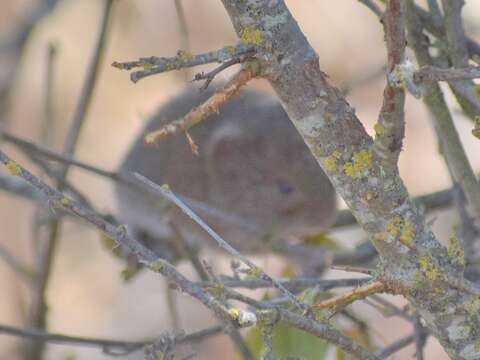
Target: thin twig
{"points": [[358, 293], [120, 347], [389, 308], [14, 43], [209, 76], [356, 269], [20, 187], [156, 65], [166, 193], [25, 272], [90, 82], [199, 113], [183, 29], [295, 283], [186, 250], [420, 338], [390, 128], [48, 153], [396, 346], [452, 147], [432, 73], [39, 303], [459, 56]]}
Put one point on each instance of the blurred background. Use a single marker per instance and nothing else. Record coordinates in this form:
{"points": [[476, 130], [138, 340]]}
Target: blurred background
{"points": [[86, 294]]}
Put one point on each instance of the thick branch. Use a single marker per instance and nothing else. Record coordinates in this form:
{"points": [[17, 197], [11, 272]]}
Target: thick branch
{"points": [[415, 263]]}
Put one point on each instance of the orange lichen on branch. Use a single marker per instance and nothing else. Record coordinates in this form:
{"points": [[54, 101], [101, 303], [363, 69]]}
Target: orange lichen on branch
{"points": [[351, 296], [201, 112]]}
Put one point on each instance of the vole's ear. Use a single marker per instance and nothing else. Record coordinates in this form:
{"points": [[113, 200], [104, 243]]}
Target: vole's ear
{"points": [[225, 144]]}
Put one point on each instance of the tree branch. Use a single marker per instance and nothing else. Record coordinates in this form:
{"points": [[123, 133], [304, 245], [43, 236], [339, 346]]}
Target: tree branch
{"points": [[157, 65], [199, 113], [390, 128], [414, 263]]}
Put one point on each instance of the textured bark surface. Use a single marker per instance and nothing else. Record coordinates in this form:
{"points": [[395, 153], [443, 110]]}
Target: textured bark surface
{"points": [[415, 264]]}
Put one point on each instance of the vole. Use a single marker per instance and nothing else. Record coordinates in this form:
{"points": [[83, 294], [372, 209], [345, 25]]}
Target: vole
{"points": [[253, 181]]}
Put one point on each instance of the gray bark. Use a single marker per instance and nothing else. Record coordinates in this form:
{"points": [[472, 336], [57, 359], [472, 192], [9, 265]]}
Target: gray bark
{"points": [[414, 263]]}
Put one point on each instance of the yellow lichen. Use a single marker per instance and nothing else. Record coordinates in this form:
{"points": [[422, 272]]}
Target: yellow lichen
{"points": [[477, 89], [254, 272], [403, 229], [429, 268], [218, 290], [380, 236], [250, 35], [472, 307], [330, 164], [64, 201], [331, 161], [349, 169], [379, 129], [362, 161], [476, 127], [455, 248], [185, 55], [156, 265], [394, 227], [234, 313], [13, 168], [408, 233], [146, 65]]}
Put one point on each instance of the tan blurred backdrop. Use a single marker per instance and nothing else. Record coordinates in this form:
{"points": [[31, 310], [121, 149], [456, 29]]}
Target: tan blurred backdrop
{"points": [[86, 294]]}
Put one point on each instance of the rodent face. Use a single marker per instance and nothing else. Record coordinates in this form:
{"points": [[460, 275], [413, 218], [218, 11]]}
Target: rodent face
{"points": [[275, 184]]}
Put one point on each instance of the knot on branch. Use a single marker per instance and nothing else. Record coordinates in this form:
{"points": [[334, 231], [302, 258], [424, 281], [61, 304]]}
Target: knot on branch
{"points": [[402, 76], [242, 318]]}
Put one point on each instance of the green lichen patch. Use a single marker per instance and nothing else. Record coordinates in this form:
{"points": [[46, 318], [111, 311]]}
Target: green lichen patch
{"points": [[402, 229], [429, 268], [330, 162], [408, 233], [455, 249], [251, 35], [234, 313], [218, 290], [13, 168], [156, 266], [361, 162], [184, 55], [472, 307], [380, 129], [476, 127], [254, 272]]}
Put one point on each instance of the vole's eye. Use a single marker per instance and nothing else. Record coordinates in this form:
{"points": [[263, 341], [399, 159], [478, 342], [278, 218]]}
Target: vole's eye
{"points": [[284, 187]]}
